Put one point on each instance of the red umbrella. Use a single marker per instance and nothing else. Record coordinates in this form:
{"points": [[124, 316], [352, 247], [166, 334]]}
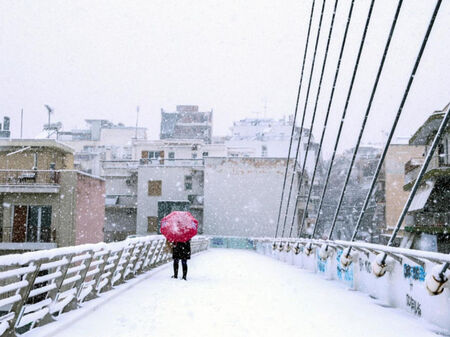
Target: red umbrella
{"points": [[179, 226]]}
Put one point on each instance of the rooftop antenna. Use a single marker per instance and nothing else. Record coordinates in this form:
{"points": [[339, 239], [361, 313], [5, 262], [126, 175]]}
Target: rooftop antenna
{"points": [[21, 123], [50, 111], [265, 107], [137, 119]]}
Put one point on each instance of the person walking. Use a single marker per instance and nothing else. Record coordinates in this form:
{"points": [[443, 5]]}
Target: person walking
{"points": [[181, 251]]}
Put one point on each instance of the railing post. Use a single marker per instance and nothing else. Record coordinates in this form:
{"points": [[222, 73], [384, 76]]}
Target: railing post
{"points": [[53, 294], [23, 292], [98, 277], [108, 285], [144, 255], [126, 264], [72, 305]]}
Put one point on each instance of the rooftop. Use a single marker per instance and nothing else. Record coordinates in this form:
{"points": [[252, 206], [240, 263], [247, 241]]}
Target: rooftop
{"points": [[426, 132], [49, 143]]}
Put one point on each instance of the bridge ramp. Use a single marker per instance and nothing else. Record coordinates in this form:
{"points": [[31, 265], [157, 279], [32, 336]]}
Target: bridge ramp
{"points": [[240, 293]]}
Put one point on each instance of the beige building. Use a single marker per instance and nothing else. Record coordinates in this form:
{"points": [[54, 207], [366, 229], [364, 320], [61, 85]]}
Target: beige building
{"points": [[44, 203], [394, 174]]}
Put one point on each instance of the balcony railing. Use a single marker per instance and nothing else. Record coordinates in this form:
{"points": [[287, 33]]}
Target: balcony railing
{"points": [[29, 177]]}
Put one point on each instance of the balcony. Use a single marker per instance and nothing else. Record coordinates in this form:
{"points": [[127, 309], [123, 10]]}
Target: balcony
{"points": [[29, 181], [172, 162]]}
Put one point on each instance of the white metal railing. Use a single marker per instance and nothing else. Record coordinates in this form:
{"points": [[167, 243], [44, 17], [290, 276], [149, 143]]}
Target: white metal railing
{"points": [[409, 279], [36, 287]]}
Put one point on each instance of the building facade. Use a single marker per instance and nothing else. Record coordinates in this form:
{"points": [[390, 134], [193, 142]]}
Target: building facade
{"points": [[165, 188], [44, 203], [187, 122], [428, 217], [102, 140], [242, 197]]}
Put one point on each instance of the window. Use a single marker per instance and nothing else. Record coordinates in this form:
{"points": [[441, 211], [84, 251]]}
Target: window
{"points": [[152, 154], [194, 156], [171, 155], [188, 183], [205, 154], [32, 223], [152, 224], [194, 147], [154, 187], [264, 151], [441, 154]]}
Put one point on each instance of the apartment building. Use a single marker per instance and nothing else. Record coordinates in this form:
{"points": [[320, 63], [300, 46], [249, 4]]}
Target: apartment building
{"points": [[428, 217], [187, 122], [44, 202]]}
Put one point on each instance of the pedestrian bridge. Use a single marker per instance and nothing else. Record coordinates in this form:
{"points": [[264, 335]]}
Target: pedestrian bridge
{"points": [[125, 289]]}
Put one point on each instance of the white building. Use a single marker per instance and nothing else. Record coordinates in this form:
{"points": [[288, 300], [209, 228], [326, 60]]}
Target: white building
{"points": [[166, 187], [242, 197], [102, 140], [158, 151]]}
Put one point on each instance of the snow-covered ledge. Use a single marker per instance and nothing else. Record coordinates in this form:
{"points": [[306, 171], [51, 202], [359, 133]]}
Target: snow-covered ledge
{"points": [[28, 246]]}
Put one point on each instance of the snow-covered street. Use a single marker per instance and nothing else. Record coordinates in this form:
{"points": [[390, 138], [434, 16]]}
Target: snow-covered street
{"points": [[239, 293]]}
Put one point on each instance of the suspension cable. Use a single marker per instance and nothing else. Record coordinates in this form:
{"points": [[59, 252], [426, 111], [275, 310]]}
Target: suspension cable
{"points": [[355, 70], [418, 181], [295, 117], [349, 17], [363, 126], [306, 105], [393, 128], [324, 63], [436, 138]]}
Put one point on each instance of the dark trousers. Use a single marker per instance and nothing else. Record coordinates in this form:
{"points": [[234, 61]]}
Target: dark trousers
{"points": [[183, 264]]}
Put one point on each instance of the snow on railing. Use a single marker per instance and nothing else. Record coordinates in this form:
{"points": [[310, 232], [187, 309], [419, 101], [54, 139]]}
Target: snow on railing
{"points": [[409, 281], [36, 287]]}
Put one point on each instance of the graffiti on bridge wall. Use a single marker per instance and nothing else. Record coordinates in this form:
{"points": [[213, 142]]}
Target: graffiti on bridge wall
{"points": [[413, 305], [416, 273], [321, 264], [365, 265], [344, 274]]}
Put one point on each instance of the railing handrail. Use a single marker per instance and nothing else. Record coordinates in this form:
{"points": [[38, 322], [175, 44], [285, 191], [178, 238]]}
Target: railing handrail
{"points": [[408, 252], [59, 280]]}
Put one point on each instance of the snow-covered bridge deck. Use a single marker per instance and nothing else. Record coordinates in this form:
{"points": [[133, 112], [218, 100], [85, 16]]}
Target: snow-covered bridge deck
{"points": [[234, 293]]}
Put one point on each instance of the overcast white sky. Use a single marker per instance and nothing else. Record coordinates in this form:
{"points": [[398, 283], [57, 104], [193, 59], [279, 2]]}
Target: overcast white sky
{"points": [[100, 59]]}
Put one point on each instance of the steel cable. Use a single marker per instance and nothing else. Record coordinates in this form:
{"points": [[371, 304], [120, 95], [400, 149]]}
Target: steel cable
{"points": [[295, 117], [366, 115], [306, 104], [349, 93]]}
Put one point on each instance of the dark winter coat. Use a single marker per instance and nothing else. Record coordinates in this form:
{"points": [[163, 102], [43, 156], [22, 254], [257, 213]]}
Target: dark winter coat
{"points": [[181, 250]]}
